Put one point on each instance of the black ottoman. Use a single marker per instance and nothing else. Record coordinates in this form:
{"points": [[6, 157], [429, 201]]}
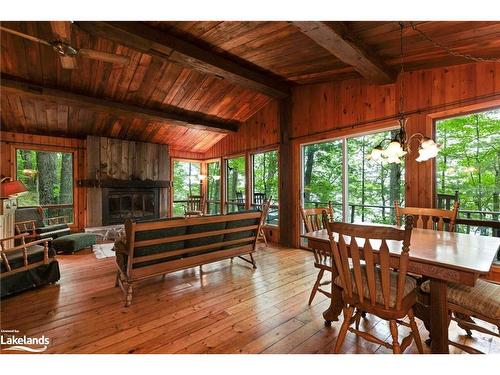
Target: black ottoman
{"points": [[74, 242]]}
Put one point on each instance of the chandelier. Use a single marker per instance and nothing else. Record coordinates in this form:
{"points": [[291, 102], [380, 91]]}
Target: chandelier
{"points": [[399, 146]]}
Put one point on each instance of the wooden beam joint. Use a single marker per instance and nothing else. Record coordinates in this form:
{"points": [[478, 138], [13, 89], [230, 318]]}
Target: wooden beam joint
{"points": [[337, 39]]}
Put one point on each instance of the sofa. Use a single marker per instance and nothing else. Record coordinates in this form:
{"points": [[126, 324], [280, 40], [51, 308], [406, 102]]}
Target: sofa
{"points": [[153, 248], [26, 266]]}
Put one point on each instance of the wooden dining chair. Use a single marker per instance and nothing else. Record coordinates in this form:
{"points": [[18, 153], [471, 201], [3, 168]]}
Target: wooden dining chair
{"points": [[481, 301], [442, 220], [368, 282], [313, 221], [264, 207], [195, 206], [430, 218]]}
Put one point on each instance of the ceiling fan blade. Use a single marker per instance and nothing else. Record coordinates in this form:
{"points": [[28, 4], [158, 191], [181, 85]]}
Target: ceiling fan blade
{"points": [[61, 30], [104, 56], [25, 36], [68, 62]]}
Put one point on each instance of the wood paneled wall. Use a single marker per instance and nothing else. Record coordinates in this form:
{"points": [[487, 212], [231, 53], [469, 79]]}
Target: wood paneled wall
{"points": [[260, 131], [9, 142], [340, 108]]}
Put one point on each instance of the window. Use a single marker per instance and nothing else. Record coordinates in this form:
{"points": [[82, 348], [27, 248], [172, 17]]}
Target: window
{"points": [[265, 182], [48, 177], [186, 176], [372, 187], [322, 176], [469, 163], [362, 190], [213, 188], [235, 184]]}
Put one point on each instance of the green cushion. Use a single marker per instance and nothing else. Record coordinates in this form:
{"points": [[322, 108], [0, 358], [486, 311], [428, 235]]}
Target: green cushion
{"points": [[16, 258], [238, 224], [160, 233], [205, 228], [74, 242]]}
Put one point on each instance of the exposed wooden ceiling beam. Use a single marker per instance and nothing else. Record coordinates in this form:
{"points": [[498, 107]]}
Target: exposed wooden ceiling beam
{"points": [[336, 38], [185, 119], [158, 43]]}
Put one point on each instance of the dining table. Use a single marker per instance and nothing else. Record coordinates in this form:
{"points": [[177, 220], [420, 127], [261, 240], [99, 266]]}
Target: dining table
{"points": [[440, 256]]}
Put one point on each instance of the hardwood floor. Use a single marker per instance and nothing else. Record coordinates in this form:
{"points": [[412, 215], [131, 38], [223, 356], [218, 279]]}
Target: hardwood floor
{"points": [[226, 308]]}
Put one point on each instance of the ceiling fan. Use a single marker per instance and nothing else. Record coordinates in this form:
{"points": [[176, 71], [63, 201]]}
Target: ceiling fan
{"points": [[62, 45]]}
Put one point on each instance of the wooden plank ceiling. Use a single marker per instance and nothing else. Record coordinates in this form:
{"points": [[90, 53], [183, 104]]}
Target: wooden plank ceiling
{"points": [[181, 85]]}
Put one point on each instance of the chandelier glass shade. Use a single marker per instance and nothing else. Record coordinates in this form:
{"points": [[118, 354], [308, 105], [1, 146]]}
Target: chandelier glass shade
{"points": [[399, 146]]}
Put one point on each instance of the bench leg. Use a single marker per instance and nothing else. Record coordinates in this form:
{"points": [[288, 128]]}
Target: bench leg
{"points": [[117, 281], [128, 300], [253, 261]]}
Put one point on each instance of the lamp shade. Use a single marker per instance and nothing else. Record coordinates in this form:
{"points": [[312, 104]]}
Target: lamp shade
{"points": [[10, 188]]}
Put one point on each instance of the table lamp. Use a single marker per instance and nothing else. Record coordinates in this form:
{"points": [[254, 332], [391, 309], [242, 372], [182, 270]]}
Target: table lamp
{"points": [[10, 187]]}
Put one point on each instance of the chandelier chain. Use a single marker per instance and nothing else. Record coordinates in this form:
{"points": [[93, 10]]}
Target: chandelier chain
{"points": [[451, 51], [402, 87]]}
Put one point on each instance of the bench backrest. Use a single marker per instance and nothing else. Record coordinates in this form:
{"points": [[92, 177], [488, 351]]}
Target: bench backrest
{"points": [[166, 240]]}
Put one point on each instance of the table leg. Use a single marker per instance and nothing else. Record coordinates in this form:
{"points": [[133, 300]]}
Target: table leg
{"points": [[336, 304], [439, 316]]}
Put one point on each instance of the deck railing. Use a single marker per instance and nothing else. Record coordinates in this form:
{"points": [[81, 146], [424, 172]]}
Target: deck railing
{"points": [[485, 223]]}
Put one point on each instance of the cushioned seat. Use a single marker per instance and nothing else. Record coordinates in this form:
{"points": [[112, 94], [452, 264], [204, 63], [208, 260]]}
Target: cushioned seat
{"points": [[409, 286], [16, 258], [483, 298], [74, 242]]}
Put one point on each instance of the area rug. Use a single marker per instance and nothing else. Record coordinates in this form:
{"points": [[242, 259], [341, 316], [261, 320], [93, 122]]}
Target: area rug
{"points": [[103, 250]]}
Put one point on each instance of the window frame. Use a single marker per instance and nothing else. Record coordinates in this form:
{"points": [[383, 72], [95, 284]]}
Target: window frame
{"points": [[206, 163], [57, 149], [345, 167], [171, 193], [250, 174], [246, 195]]}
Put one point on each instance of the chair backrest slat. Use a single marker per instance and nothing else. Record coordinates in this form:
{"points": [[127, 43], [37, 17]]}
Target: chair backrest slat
{"points": [[367, 248], [384, 262], [430, 218], [370, 271], [356, 262]]}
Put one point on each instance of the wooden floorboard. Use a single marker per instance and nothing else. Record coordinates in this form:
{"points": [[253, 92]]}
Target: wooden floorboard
{"points": [[224, 307]]}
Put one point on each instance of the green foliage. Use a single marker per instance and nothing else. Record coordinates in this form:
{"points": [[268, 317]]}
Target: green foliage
{"points": [[470, 159], [48, 177], [265, 174], [186, 182], [213, 188], [27, 171], [235, 181]]}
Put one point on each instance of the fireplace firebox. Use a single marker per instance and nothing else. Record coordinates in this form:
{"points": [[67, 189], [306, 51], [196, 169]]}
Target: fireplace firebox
{"points": [[119, 204]]}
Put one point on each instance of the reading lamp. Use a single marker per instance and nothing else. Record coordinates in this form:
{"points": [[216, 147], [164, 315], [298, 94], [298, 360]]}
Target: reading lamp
{"points": [[10, 187]]}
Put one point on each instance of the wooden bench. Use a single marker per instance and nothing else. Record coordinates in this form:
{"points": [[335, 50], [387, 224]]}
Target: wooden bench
{"points": [[159, 247]]}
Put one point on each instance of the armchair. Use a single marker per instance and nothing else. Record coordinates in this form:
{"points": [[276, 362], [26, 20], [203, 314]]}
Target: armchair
{"points": [[26, 265], [32, 220]]}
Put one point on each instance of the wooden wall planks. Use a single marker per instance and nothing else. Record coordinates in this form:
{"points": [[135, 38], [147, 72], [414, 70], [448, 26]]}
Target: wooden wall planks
{"points": [[260, 131]]}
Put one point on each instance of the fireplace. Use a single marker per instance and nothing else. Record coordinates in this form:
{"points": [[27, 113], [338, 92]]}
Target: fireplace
{"points": [[119, 204]]}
